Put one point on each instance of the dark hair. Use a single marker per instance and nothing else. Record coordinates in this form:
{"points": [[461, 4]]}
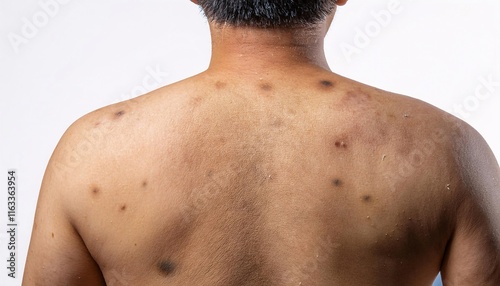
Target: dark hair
{"points": [[267, 13]]}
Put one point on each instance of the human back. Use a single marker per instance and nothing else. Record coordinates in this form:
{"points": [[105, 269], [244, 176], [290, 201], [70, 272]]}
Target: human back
{"points": [[274, 182], [268, 169]]}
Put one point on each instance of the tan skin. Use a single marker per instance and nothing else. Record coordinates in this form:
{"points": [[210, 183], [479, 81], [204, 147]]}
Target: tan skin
{"points": [[268, 169]]}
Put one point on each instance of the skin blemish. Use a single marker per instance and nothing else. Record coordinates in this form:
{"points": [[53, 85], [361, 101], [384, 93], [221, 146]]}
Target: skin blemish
{"points": [[277, 122], [337, 182], [340, 144], [144, 183], [53, 235], [356, 98], [266, 86], [95, 191], [123, 208], [119, 114], [326, 83], [196, 101], [367, 198], [220, 85], [166, 267]]}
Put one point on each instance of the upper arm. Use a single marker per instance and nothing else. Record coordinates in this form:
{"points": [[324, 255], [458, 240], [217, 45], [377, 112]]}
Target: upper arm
{"points": [[473, 253], [57, 255]]}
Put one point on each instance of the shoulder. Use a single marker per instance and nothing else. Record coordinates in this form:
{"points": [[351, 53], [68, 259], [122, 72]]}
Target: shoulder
{"points": [[88, 143]]}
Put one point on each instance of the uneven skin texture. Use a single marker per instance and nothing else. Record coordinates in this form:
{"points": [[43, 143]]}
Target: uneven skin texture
{"points": [[308, 179], [268, 169]]}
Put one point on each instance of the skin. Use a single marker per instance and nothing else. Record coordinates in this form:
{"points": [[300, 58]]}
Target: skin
{"points": [[268, 169]]}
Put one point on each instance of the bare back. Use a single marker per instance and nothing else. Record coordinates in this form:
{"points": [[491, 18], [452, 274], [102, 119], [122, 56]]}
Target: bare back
{"points": [[310, 179]]}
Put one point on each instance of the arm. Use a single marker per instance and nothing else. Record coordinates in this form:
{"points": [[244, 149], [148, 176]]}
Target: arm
{"points": [[473, 253], [57, 255]]}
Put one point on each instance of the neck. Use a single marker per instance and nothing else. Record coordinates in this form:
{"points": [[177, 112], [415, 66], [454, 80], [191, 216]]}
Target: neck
{"points": [[252, 50]]}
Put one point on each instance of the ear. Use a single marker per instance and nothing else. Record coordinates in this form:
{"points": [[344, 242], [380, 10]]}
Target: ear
{"points": [[341, 2]]}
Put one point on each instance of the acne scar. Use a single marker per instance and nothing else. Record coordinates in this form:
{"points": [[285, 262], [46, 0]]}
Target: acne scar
{"points": [[220, 85], [277, 122], [340, 144], [166, 267], [326, 83], [337, 182], [266, 87], [95, 191], [119, 113]]}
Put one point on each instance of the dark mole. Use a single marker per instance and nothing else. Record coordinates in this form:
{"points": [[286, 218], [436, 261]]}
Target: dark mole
{"points": [[123, 207], [144, 183], [53, 235], [266, 86], [367, 198], [95, 191], [326, 83], [119, 113], [166, 267], [340, 144], [337, 182]]}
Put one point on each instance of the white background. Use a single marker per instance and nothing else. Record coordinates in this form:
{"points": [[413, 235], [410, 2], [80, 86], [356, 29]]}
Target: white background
{"points": [[63, 60]]}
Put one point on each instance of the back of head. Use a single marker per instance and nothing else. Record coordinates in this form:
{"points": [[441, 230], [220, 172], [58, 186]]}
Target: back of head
{"points": [[267, 13]]}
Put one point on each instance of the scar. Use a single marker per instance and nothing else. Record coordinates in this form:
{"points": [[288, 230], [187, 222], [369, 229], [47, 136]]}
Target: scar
{"points": [[97, 124], [367, 198], [337, 182], [119, 113], [326, 83], [166, 267]]}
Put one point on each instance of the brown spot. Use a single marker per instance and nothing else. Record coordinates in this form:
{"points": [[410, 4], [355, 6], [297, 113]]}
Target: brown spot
{"points": [[144, 183], [340, 144], [119, 113], [220, 85], [277, 122], [367, 198], [337, 182], [266, 86], [326, 83], [356, 98], [166, 267], [196, 101], [95, 191], [53, 235], [123, 207]]}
